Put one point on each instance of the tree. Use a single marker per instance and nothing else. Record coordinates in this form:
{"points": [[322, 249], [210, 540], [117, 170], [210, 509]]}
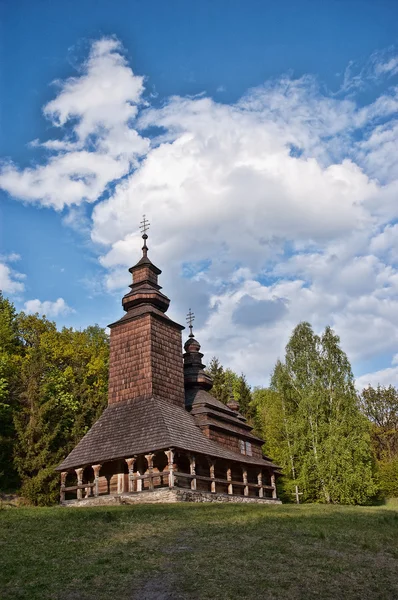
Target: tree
{"points": [[226, 383], [220, 388], [10, 351], [380, 406], [64, 383], [242, 394], [319, 435]]}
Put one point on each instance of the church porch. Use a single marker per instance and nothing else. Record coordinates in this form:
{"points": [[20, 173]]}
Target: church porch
{"points": [[191, 477]]}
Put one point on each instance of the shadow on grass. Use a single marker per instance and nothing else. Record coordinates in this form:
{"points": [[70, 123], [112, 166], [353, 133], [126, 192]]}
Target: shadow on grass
{"points": [[184, 551]]}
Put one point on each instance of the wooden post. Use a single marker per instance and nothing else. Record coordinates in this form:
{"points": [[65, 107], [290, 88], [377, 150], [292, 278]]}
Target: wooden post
{"points": [[96, 469], [260, 483], [63, 481], [273, 483], [108, 483], [149, 458], [229, 478], [130, 464], [212, 475], [192, 467], [170, 458], [79, 473], [246, 488], [120, 483]]}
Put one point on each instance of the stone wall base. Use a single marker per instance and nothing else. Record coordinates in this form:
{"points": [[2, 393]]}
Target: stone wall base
{"points": [[166, 495]]}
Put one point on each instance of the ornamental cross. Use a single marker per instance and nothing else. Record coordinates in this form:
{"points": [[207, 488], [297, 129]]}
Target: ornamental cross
{"points": [[144, 225], [190, 320], [297, 494]]}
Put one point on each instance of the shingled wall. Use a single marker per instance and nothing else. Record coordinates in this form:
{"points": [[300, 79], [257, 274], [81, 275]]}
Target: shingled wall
{"points": [[130, 360], [146, 361]]}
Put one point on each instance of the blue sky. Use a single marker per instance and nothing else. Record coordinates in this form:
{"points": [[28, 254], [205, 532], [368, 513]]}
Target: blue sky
{"points": [[261, 140]]}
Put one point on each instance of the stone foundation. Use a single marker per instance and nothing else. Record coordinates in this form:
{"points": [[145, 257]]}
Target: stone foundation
{"points": [[166, 495]]}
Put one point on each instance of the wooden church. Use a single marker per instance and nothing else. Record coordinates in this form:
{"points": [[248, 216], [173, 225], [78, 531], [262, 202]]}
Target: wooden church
{"points": [[163, 437]]}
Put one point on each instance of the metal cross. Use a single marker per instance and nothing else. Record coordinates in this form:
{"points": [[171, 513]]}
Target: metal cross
{"points": [[190, 320], [144, 225]]}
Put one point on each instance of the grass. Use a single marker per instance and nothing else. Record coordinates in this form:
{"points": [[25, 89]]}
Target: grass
{"points": [[200, 551]]}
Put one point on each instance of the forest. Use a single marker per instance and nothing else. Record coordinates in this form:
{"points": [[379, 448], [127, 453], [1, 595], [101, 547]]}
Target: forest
{"points": [[336, 445]]}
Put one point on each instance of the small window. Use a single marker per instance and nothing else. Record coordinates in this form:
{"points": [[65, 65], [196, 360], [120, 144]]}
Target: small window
{"points": [[248, 449], [242, 447]]}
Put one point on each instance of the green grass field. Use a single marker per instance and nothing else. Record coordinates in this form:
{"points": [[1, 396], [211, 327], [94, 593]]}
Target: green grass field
{"points": [[204, 551]]}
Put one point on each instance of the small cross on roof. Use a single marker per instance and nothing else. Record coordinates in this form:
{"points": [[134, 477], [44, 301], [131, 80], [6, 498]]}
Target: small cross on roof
{"points": [[190, 320], [144, 226]]}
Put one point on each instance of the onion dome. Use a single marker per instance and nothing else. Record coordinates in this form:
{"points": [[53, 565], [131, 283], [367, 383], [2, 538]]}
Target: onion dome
{"points": [[145, 288], [194, 374]]}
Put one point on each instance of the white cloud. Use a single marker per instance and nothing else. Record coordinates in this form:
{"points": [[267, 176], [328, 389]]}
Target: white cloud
{"points": [[383, 377], [94, 110], [10, 280], [282, 204], [47, 308]]}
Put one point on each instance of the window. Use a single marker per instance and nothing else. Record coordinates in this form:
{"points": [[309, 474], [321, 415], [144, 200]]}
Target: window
{"points": [[245, 448]]}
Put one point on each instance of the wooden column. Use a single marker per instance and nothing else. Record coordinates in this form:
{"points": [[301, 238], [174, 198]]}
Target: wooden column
{"points": [[139, 482], [229, 478], [108, 483], [246, 488], [260, 483], [192, 467], [170, 458], [130, 464], [213, 483], [273, 483], [63, 481], [120, 483], [149, 458], [79, 473], [96, 469]]}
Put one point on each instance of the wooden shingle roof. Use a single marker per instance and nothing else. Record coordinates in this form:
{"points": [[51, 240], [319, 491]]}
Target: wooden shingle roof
{"points": [[145, 425]]}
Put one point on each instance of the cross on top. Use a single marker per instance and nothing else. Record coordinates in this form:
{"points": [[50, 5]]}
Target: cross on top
{"points": [[144, 226], [190, 320]]}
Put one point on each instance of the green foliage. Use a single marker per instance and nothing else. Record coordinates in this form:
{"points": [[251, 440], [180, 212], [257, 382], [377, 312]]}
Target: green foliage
{"points": [[10, 354], [388, 477], [220, 381], [53, 386], [380, 406], [227, 382], [312, 423]]}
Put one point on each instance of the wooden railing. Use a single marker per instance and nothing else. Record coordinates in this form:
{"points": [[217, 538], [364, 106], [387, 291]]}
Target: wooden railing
{"points": [[75, 488], [193, 478], [230, 484]]}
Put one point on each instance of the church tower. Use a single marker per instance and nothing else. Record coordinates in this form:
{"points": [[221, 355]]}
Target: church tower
{"points": [[145, 345]]}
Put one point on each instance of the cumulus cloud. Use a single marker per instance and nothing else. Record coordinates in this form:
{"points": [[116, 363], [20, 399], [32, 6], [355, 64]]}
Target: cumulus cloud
{"points": [[10, 280], [278, 208], [94, 111], [47, 308], [383, 377]]}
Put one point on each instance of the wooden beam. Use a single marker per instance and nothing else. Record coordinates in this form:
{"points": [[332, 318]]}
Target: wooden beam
{"points": [[170, 457], [229, 479], [79, 473], [96, 470], [63, 481], [192, 467], [130, 464]]}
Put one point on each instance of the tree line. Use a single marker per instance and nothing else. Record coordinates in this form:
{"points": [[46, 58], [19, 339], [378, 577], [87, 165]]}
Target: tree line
{"points": [[53, 386], [334, 444]]}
